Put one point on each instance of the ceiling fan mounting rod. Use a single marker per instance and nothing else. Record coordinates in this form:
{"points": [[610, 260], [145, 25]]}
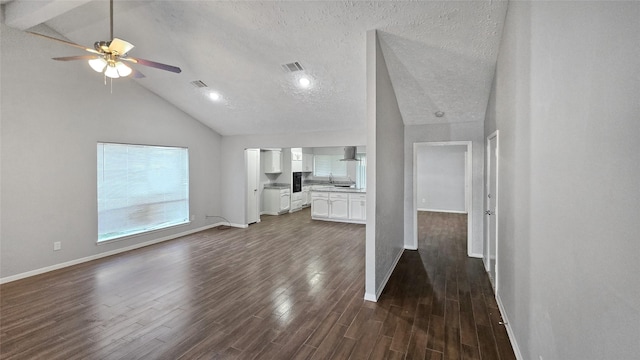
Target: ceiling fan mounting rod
{"points": [[111, 18]]}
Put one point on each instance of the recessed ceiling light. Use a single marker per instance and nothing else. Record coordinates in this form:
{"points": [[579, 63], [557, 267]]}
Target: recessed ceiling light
{"points": [[304, 82], [439, 113], [214, 96]]}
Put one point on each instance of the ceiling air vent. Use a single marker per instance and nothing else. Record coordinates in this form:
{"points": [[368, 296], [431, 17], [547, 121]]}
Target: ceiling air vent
{"points": [[198, 84], [292, 67]]}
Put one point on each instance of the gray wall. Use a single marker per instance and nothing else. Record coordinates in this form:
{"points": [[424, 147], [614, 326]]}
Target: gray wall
{"points": [[469, 131], [385, 173], [52, 114], [566, 103], [440, 180]]}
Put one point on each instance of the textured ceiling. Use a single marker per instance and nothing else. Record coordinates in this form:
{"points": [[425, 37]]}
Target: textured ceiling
{"points": [[441, 57]]}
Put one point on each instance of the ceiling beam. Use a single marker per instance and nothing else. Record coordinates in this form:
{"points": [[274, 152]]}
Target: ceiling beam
{"points": [[24, 14]]}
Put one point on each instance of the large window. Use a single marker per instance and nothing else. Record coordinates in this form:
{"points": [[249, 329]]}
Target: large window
{"points": [[329, 165], [141, 188]]}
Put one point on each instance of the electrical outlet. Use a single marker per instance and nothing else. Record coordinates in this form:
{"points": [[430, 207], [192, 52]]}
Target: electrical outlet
{"points": [[193, 217], [57, 246], [424, 201]]}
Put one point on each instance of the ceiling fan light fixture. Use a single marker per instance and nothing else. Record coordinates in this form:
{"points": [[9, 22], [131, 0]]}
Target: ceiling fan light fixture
{"points": [[111, 72], [98, 64], [123, 70]]}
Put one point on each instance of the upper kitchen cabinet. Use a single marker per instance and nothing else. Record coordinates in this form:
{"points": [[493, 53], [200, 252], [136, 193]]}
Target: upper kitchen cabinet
{"points": [[296, 159], [307, 163], [273, 162]]}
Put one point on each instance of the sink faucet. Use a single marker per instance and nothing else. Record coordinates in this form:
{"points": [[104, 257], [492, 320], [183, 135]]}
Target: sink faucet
{"points": [[330, 178]]}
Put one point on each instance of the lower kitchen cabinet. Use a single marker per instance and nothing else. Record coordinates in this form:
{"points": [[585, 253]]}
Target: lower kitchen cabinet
{"points": [[339, 206], [357, 207], [276, 201], [320, 205]]}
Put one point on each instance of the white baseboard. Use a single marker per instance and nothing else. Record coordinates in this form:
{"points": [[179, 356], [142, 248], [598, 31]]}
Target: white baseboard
{"points": [[410, 247], [443, 211], [476, 255], [103, 254], [241, 226], [507, 325], [370, 297], [376, 296]]}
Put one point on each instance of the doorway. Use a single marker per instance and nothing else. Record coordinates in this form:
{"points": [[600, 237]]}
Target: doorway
{"points": [[454, 179], [491, 212]]}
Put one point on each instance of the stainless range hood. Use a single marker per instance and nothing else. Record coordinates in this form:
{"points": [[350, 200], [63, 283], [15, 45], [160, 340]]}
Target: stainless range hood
{"points": [[350, 153]]}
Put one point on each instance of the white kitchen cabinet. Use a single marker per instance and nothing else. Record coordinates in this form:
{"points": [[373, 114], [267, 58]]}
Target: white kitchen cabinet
{"points": [[307, 163], [296, 166], [338, 206], [320, 205], [276, 201], [306, 196], [297, 199], [357, 207], [273, 162]]}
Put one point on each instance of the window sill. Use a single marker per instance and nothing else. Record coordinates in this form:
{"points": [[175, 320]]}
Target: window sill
{"points": [[138, 234]]}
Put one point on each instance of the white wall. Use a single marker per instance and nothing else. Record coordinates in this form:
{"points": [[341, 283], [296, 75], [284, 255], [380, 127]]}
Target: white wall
{"points": [[385, 173], [232, 164], [440, 178], [53, 114], [566, 103], [469, 131]]}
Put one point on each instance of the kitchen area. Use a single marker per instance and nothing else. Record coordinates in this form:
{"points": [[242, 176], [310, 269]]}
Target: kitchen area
{"points": [[331, 181]]}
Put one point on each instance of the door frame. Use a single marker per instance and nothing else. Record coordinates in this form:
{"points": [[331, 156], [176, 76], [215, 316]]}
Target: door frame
{"points": [[246, 184], [487, 263], [468, 173]]}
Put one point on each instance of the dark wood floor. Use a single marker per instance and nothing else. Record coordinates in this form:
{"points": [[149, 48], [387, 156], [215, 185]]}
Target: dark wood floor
{"points": [[286, 288]]}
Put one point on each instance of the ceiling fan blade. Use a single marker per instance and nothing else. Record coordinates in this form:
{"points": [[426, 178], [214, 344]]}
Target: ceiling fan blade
{"points": [[137, 74], [154, 64], [78, 57], [66, 42], [120, 46]]}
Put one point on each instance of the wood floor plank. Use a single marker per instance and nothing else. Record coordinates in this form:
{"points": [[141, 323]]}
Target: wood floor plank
{"points": [[285, 288]]}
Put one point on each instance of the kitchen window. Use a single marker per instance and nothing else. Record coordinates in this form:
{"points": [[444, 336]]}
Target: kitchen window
{"points": [[329, 165], [141, 188]]}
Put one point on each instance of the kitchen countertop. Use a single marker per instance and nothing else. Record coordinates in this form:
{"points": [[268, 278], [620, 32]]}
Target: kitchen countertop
{"points": [[277, 186], [340, 189]]}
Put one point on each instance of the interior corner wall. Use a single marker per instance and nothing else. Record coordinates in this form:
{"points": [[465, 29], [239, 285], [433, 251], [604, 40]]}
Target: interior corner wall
{"points": [[233, 172], [565, 101], [385, 153], [52, 115], [459, 131], [440, 177]]}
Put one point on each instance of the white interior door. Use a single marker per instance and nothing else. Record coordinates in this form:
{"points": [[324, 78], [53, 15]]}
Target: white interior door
{"points": [[253, 180], [492, 208]]}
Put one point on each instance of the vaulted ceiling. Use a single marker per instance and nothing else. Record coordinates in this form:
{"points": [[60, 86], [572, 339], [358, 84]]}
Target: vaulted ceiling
{"points": [[441, 56]]}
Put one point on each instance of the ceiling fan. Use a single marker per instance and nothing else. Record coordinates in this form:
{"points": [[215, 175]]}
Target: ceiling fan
{"points": [[108, 56]]}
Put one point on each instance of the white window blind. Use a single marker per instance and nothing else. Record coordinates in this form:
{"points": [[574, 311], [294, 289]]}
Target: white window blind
{"points": [[361, 171], [141, 188], [325, 165]]}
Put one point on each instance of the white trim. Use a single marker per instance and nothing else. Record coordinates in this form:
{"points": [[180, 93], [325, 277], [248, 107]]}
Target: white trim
{"points": [[510, 333], [103, 254], [468, 194], [443, 211], [487, 259], [476, 255], [239, 226], [376, 296]]}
